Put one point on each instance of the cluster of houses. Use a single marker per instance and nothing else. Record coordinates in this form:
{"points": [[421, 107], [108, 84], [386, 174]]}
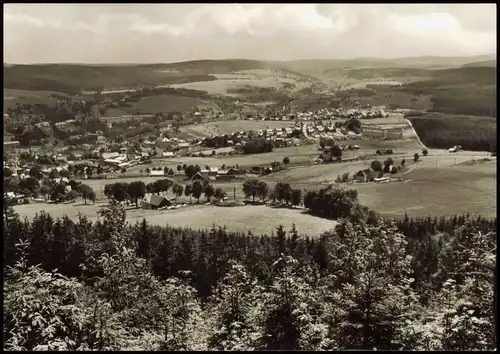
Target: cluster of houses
{"points": [[281, 137], [332, 113], [320, 130], [219, 174], [325, 113]]}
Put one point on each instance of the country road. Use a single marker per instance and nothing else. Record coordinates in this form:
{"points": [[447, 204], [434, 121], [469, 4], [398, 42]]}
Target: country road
{"points": [[416, 135]]}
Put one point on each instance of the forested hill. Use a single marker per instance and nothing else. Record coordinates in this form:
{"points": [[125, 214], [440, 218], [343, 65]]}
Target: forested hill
{"points": [[76, 77], [486, 63], [467, 91], [427, 285]]}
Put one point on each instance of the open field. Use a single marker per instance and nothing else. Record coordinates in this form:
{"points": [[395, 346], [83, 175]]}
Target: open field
{"points": [[435, 191], [226, 83], [296, 154], [393, 119], [221, 86], [232, 126], [12, 96], [257, 219], [247, 78], [315, 174]]}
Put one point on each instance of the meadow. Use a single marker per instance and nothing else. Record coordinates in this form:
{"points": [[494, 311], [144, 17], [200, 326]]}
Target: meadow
{"points": [[263, 78], [435, 191], [12, 96], [257, 219], [297, 155]]}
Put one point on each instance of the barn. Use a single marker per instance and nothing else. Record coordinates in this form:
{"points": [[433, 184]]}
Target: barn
{"points": [[154, 201], [364, 176]]}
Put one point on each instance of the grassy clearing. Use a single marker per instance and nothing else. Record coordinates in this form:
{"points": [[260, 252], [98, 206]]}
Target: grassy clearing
{"points": [[298, 155], [257, 219], [263, 78], [436, 191], [11, 97], [371, 145], [391, 120]]}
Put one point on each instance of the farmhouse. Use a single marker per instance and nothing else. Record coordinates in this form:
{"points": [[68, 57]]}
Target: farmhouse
{"points": [[198, 176], [183, 145], [168, 154], [364, 176], [212, 171], [153, 201], [156, 173], [110, 155]]}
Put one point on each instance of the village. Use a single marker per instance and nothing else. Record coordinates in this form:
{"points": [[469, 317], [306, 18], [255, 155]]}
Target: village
{"points": [[149, 156]]}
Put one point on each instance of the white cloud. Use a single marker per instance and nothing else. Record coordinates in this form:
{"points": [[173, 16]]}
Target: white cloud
{"points": [[443, 29], [290, 31], [425, 24], [22, 19]]}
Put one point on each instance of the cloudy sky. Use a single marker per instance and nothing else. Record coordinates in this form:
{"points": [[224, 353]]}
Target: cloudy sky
{"points": [[154, 33]]}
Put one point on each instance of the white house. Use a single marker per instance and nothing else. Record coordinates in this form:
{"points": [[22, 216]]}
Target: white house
{"points": [[157, 173], [169, 154], [110, 155]]}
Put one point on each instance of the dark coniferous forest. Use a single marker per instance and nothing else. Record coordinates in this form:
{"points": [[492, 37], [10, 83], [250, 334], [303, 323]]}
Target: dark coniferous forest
{"points": [[425, 284]]}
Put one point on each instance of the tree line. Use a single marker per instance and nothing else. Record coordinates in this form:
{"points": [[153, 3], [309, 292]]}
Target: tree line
{"points": [[49, 187], [257, 146], [135, 191], [108, 285]]}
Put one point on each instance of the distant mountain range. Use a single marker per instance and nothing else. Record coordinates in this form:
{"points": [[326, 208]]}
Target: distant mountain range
{"points": [[75, 77]]}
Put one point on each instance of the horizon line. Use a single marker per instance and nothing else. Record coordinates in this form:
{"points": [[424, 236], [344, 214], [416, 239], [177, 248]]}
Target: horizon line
{"points": [[262, 60]]}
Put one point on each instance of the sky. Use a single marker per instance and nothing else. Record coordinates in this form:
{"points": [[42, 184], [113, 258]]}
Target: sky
{"points": [[163, 33]]}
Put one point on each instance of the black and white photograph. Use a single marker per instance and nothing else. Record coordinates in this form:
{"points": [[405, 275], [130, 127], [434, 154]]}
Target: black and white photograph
{"points": [[249, 176]]}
